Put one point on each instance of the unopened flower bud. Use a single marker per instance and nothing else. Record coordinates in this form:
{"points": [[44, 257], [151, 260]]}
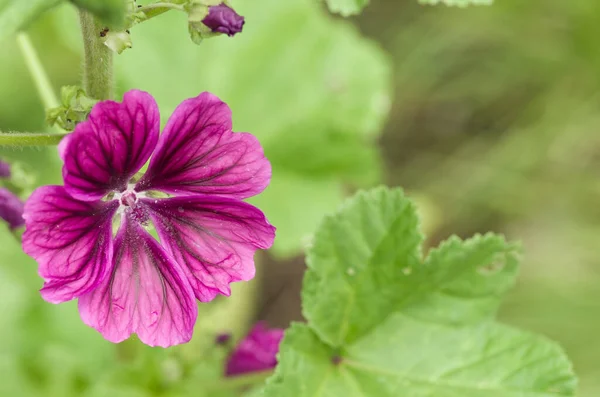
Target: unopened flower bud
{"points": [[4, 169], [223, 19], [256, 352], [11, 209], [223, 339]]}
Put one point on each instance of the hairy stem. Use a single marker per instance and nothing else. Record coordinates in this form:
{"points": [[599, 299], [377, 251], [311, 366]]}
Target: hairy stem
{"points": [[155, 9], [38, 74], [166, 6], [98, 59], [15, 139]]}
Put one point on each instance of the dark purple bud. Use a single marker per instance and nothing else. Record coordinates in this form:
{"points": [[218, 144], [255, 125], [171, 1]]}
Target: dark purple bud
{"points": [[11, 208], [223, 339], [4, 169], [222, 19], [256, 352]]}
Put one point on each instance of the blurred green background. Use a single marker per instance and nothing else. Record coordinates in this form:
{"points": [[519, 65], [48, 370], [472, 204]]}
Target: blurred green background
{"points": [[493, 125]]}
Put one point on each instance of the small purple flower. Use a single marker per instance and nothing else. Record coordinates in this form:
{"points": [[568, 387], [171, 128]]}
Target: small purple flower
{"points": [[11, 209], [256, 352], [223, 19], [192, 194]]}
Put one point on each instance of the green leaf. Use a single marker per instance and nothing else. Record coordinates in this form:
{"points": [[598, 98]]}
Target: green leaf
{"points": [[383, 322], [346, 156], [111, 12], [15, 15], [346, 7], [412, 358], [359, 253], [458, 3], [317, 118], [285, 205]]}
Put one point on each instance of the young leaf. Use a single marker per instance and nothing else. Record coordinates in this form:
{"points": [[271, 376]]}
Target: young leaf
{"points": [[111, 12], [17, 14], [382, 322], [458, 3], [346, 7]]}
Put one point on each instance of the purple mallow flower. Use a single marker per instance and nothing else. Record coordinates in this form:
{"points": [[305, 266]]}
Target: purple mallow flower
{"points": [[11, 209], [223, 19], [256, 352], [126, 281]]}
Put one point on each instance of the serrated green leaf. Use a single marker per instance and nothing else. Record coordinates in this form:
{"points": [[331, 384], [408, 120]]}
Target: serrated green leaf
{"points": [[17, 14], [411, 358], [302, 351], [470, 277], [111, 12], [361, 252], [372, 249], [381, 322], [346, 7], [486, 359], [294, 91], [458, 3]]}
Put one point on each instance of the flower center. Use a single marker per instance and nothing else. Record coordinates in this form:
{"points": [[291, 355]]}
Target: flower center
{"points": [[130, 204], [128, 198]]}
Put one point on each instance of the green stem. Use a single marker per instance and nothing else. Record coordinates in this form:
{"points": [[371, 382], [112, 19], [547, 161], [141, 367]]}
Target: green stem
{"points": [[15, 139], [166, 6], [98, 59], [39, 75]]}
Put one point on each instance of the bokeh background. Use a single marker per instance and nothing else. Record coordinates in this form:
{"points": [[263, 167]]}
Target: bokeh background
{"points": [[487, 116]]}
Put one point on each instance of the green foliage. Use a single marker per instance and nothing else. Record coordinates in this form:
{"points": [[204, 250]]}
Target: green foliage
{"points": [[75, 107], [346, 7], [383, 322], [111, 12], [17, 14], [441, 68], [294, 90], [459, 3]]}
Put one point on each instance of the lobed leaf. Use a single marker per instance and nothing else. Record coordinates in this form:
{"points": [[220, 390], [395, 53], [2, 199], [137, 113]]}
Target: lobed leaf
{"points": [[382, 321], [357, 265]]}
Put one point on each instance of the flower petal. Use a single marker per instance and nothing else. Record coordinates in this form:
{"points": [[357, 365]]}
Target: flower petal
{"points": [[213, 238], [146, 294], [198, 153], [107, 149], [256, 352], [62, 146], [71, 240]]}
